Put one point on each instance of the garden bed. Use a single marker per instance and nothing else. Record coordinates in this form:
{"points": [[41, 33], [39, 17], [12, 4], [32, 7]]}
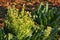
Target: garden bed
{"points": [[30, 22]]}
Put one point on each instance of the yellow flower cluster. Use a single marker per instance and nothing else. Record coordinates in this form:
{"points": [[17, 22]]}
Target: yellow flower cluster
{"points": [[22, 24], [47, 31]]}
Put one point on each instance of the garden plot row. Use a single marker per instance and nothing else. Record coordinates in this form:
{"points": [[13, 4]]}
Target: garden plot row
{"points": [[51, 2]]}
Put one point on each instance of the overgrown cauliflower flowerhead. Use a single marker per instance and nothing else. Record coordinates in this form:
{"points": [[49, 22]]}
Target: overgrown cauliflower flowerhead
{"points": [[22, 24]]}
